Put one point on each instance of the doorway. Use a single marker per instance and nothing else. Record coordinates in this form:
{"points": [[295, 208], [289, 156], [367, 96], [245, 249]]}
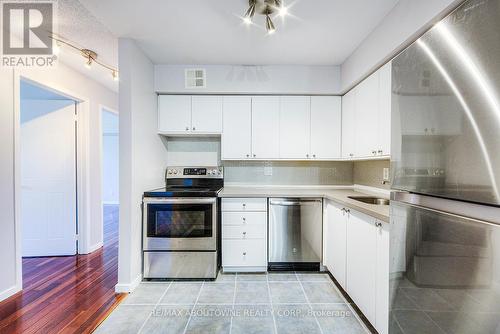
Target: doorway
{"points": [[110, 173], [48, 148]]}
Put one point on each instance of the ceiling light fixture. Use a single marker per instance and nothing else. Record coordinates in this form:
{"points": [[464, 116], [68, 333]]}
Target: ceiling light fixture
{"points": [[89, 55], [265, 8]]}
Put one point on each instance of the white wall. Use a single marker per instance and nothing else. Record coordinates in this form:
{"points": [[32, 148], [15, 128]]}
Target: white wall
{"points": [[110, 158], [8, 282], [406, 21], [143, 156], [272, 79]]}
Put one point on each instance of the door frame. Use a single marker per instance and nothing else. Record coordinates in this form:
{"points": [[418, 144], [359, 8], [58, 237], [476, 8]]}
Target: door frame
{"points": [[82, 165]]}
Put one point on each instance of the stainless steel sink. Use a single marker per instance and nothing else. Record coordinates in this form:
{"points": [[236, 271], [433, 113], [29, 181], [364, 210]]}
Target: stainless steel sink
{"points": [[370, 200]]}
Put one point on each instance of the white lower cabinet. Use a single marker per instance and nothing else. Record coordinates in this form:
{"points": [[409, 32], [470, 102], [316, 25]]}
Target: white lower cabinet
{"points": [[244, 234], [357, 254]]}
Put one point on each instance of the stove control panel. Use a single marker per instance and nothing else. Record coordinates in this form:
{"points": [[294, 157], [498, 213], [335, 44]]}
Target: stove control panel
{"points": [[195, 172]]}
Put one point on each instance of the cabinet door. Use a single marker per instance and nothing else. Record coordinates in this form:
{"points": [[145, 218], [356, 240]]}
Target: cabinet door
{"points": [[295, 127], [206, 114], [265, 127], [237, 127], [367, 114], [335, 242], [174, 113], [384, 122], [361, 262], [348, 124], [326, 122], [382, 290]]}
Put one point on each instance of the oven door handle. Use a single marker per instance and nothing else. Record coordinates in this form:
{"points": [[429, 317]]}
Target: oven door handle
{"points": [[187, 200]]}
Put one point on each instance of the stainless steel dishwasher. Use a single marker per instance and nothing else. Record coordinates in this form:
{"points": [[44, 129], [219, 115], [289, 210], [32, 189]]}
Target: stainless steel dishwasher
{"points": [[295, 233]]}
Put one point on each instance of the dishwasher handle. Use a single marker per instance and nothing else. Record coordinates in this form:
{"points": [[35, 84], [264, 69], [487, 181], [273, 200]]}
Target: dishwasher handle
{"points": [[294, 203]]}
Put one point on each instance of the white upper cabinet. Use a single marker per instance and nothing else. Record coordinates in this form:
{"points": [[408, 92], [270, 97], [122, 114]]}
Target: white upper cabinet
{"points": [[206, 114], [265, 127], [295, 127], [174, 114], [366, 117], [326, 123], [236, 140], [385, 98], [348, 124], [185, 115], [367, 114]]}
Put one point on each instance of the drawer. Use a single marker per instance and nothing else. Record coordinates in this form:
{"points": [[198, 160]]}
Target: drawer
{"points": [[244, 218], [244, 232], [240, 253], [244, 204]]}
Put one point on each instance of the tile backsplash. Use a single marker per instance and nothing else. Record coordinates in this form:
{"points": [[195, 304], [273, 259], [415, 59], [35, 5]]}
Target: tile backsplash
{"points": [[289, 172], [370, 173]]}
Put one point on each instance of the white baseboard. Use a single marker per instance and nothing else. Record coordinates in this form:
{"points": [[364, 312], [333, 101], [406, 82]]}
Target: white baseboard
{"points": [[128, 288], [9, 292], [244, 269], [95, 247]]}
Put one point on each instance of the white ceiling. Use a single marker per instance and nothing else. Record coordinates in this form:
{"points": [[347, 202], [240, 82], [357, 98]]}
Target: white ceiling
{"points": [[319, 32]]}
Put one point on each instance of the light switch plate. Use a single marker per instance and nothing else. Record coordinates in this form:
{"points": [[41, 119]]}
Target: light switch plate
{"points": [[386, 174], [268, 171]]}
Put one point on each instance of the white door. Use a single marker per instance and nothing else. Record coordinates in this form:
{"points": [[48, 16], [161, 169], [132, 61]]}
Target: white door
{"points": [[295, 127], [326, 123], [349, 124], [237, 127], [206, 114], [174, 114], [48, 184], [367, 116], [385, 98], [361, 262], [336, 243], [265, 127]]}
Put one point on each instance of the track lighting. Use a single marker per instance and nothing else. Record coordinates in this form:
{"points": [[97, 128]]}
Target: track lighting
{"points": [[265, 8]]}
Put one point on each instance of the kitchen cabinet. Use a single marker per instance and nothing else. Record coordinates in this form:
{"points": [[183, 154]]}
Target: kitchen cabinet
{"points": [[206, 113], [335, 234], [356, 252], [244, 234], [349, 124], [295, 127], [361, 262], [326, 123], [174, 114], [265, 127], [189, 115], [366, 117], [236, 141]]}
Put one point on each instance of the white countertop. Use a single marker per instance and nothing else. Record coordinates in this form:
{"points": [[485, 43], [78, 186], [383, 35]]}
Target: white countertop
{"points": [[339, 194]]}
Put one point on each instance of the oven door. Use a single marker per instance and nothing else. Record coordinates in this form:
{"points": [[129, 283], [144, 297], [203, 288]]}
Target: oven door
{"points": [[180, 224]]}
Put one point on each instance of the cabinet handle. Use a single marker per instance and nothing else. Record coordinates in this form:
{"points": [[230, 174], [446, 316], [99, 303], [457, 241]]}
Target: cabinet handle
{"points": [[307, 155], [244, 233], [314, 155], [187, 128], [374, 152], [351, 155], [244, 205], [248, 155], [378, 224], [380, 151], [254, 155], [244, 253], [244, 220], [194, 128]]}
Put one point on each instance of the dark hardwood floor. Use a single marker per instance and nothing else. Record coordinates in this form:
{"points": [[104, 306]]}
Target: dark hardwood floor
{"points": [[66, 294]]}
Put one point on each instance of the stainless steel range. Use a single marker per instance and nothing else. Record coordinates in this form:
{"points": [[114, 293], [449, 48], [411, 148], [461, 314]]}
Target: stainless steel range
{"points": [[181, 224]]}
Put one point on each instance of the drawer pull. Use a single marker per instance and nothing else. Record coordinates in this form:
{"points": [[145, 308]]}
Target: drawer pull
{"points": [[244, 220], [244, 253]]}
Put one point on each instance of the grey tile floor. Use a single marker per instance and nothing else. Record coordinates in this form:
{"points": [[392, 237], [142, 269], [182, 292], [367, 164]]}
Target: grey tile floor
{"points": [[237, 303], [439, 310]]}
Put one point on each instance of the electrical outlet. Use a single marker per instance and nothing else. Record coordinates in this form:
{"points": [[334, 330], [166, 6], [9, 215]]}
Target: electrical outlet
{"points": [[386, 174], [268, 171]]}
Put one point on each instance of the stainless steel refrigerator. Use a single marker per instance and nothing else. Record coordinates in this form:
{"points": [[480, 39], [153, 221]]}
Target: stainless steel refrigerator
{"points": [[445, 165]]}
